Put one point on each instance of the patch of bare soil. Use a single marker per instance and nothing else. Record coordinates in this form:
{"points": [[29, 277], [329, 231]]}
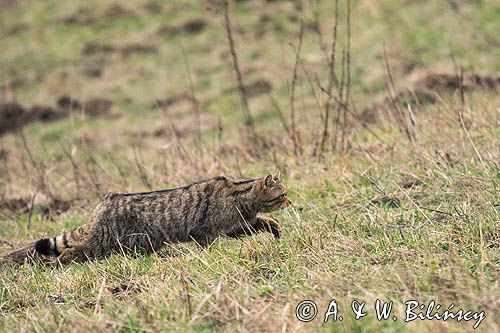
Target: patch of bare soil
{"points": [[124, 50], [177, 128], [258, 87], [98, 107], [86, 16], [172, 100], [449, 82], [92, 70], [22, 206], [93, 48], [14, 116], [93, 107], [44, 113], [264, 26], [192, 26], [426, 88], [83, 16], [4, 154], [117, 11], [67, 103], [14, 30], [254, 88], [153, 6]]}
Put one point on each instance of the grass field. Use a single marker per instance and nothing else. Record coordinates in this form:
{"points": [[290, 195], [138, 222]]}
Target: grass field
{"points": [[397, 199]]}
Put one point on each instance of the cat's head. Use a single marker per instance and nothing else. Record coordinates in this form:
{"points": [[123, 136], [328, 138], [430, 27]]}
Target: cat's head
{"points": [[271, 194]]}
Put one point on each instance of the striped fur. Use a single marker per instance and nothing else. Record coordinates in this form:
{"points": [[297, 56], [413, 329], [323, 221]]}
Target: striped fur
{"points": [[143, 222]]}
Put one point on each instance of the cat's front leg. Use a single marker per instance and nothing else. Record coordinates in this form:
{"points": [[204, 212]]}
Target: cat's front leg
{"points": [[259, 224]]}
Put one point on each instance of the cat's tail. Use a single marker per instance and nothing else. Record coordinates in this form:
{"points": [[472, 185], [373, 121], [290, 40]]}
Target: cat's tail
{"points": [[19, 256], [44, 250], [54, 246]]}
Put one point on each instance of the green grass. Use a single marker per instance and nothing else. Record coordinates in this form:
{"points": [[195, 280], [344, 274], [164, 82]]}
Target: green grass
{"points": [[384, 219]]}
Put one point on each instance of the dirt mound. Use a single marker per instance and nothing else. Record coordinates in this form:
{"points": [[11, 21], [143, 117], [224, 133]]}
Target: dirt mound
{"points": [[98, 107], [4, 154], [192, 26], [68, 103], [255, 88], [22, 206], [449, 83], [117, 11], [169, 101], [83, 16], [14, 116], [86, 16], [14, 30], [93, 107], [92, 70], [124, 50], [152, 7], [93, 48], [44, 113], [179, 127], [258, 87], [129, 49], [426, 88]]}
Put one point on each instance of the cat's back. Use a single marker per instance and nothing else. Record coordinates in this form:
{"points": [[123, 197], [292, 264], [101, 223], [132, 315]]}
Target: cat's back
{"points": [[190, 194]]}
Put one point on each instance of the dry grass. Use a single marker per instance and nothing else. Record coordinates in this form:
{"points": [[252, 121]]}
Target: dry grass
{"points": [[407, 209]]}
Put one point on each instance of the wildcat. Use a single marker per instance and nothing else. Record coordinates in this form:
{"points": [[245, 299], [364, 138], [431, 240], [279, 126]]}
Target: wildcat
{"points": [[144, 222]]}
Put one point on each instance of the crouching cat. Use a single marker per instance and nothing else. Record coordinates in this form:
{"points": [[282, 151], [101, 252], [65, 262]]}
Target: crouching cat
{"points": [[144, 222]]}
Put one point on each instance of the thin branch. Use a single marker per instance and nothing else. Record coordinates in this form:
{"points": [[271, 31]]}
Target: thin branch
{"points": [[249, 123], [348, 69], [331, 78], [194, 101], [339, 98], [280, 114], [292, 93]]}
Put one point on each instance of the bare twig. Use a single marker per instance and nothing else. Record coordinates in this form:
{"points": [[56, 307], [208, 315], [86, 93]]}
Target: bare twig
{"points": [[280, 114], [30, 207], [249, 123], [399, 114], [38, 166], [194, 101], [292, 92], [140, 168], [220, 130], [74, 165], [91, 166], [339, 98], [348, 78], [331, 78]]}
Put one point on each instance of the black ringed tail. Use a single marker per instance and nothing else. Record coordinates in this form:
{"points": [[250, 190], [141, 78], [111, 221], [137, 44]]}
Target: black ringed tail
{"points": [[53, 246]]}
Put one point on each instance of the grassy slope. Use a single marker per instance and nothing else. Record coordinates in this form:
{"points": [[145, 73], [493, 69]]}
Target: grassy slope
{"points": [[345, 238]]}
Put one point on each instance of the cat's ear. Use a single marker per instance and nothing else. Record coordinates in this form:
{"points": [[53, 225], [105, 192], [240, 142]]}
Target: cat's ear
{"points": [[268, 180], [264, 183]]}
